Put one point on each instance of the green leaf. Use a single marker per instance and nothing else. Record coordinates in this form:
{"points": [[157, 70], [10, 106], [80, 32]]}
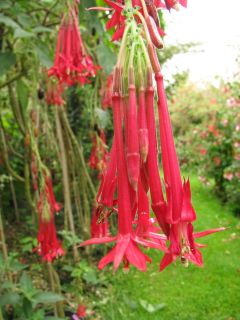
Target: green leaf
{"points": [[106, 58], [11, 298], [23, 93], [20, 33], [47, 298], [90, 277], [8, 21], [103, 117], [7, 285], [41, 29], [7, 60], [150, 308], [43, 54], [26, 284], [5, 5]]}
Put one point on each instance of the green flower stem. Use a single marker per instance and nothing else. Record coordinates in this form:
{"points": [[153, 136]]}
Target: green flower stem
{"points": [[66, 182], [79, 149]]}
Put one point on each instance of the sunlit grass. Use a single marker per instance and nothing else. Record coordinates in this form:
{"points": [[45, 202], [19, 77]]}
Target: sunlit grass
{"points": [[208, 293]]}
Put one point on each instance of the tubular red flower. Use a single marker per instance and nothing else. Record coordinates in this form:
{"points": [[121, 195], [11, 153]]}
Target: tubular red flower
{"points": [[49, 246], [72, 64], [170, 164], [158, 202], [142, 126], [133, 157]]}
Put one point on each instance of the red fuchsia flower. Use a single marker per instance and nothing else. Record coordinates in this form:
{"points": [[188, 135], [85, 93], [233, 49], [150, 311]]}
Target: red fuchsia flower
{"points": [[106, 93], [137, 174], [72, 64], [179, 212], [54, 93], [158, 201], [133, 156], [182, 243], [49, 246], [98, 157], [126, 248]]}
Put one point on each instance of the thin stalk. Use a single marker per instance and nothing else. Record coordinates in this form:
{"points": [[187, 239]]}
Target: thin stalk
{"points": [[66, 182], [80, 153], [15, 109], [15, 204], [4, 246], [59, 305], [52, 286]]}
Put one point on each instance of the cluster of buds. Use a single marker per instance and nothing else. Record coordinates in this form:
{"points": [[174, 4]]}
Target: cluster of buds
{"points": [[49, 246], [133, 168], [98, 156]]}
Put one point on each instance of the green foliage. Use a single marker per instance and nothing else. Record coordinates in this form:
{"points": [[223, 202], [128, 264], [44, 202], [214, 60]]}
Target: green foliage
{"points": [[21, 298], [7, 60], [206, 124]]}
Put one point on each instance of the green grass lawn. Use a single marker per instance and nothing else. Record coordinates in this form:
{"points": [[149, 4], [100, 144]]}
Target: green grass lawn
{"points": [[192, 293]]}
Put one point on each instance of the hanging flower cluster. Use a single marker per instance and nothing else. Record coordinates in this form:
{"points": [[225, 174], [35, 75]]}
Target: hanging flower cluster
{"points": [[49, 246], [98, 157], [72, 64], [133, 168]]}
